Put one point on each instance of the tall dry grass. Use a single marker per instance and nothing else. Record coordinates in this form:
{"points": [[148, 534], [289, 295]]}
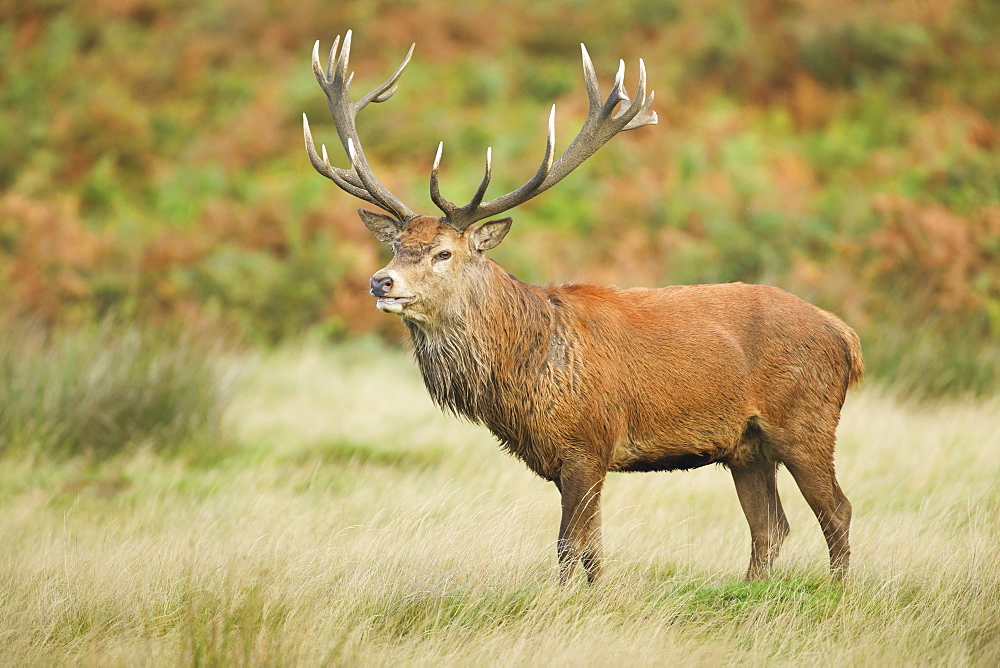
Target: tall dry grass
{"points": [[353, 524]]}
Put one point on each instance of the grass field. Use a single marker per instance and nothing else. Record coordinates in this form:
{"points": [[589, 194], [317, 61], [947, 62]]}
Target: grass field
{"points": [[342, 520]]}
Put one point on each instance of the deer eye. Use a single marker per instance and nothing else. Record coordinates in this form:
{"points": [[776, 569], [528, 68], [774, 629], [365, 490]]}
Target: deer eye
{"points": [[443, 255]]}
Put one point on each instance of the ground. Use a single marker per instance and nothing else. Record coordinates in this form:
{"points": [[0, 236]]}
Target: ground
{"points": [[326, 528]]}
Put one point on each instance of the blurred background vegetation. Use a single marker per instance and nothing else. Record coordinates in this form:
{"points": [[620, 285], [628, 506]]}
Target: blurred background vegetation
{"points": [[152, 168]]}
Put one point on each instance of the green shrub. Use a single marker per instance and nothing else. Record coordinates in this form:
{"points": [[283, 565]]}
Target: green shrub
{"points": [[105, 388], [867, 48], [272, 294], [929, 361]]}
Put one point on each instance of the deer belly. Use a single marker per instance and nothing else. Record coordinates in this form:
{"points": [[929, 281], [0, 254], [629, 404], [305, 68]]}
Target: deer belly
{"points": [[672, 461], [631, 455]]}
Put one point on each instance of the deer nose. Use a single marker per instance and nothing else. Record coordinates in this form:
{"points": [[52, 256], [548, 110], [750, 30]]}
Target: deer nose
{"points": [[380, 286]]}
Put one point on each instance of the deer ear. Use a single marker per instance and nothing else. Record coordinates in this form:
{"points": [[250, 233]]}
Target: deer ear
{"points": [[489, 235], [385, 228]]}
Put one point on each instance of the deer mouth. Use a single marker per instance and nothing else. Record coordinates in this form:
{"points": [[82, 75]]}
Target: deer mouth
{"points": [[393, 304]]}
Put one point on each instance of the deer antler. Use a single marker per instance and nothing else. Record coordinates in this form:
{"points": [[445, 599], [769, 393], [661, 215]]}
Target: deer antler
{"points": [[601, 125], [336, 83]]}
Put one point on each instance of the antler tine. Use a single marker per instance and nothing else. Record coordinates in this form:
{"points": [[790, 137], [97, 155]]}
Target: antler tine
{"points": [[643, 116], [618, 93], [446, 205], [544, 169], [333, 56], [590, 80], [477, 199], [342, 62], [360, 181], [345, 179], [321, 76], [387, 89], [601, 125], [640, 92]]}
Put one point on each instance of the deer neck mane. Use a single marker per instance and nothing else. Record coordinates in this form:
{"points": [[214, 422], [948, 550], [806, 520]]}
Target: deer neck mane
{"points": [[482, 357]]}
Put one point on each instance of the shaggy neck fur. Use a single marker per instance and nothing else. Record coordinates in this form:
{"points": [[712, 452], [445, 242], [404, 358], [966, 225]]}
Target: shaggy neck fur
{"points": [[485, 357]]}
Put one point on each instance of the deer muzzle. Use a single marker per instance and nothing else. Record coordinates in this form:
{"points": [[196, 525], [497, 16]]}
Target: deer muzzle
{"points": [[381, 285]]}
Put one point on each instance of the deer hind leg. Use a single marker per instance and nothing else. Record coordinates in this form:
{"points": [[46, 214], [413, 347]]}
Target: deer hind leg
{"points": [[580, 529], [813, 471], [757, 490]]}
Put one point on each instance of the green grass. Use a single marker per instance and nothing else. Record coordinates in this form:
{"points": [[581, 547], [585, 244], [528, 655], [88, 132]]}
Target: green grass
{"points": [[335, 530]]}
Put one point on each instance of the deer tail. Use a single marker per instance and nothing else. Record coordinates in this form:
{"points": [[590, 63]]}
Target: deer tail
{"points": [[855, 362]]}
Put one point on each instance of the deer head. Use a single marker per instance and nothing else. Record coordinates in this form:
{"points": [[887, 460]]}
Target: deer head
{"points": [[439, 261]]}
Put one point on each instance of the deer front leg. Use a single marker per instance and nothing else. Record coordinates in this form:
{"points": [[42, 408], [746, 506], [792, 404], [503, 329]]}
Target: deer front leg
{"points": [[580, 483]]}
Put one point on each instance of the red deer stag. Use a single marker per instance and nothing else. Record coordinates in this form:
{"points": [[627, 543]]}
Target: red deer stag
{"points": [[579, 380]]}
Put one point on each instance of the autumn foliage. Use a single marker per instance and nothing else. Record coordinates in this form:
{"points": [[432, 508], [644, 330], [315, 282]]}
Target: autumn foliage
{"points": [[151, 159]]}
